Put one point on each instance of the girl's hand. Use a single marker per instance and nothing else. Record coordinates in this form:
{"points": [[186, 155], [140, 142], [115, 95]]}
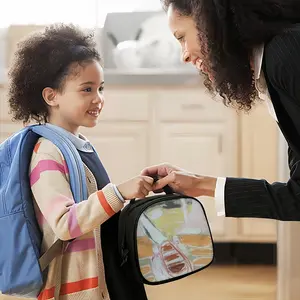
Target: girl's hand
{"points": [[137, 187]]}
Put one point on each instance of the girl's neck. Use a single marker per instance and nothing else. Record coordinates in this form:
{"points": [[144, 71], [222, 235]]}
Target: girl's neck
{"points": [[64, 125]]}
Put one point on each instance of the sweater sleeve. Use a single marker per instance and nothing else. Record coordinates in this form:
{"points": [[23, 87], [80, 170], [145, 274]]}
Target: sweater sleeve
{"points": [[50, 186]]}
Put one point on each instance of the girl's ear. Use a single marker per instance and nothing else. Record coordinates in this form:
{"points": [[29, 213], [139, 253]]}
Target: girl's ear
{"points": [[49, 96]]}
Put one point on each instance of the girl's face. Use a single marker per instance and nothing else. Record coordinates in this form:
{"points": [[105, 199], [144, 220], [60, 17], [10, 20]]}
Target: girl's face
{"points": [[82, 99], [185, 31]]}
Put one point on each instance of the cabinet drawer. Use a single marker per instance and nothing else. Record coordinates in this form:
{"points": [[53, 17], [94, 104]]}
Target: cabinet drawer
{"points": [[189, 105], [119, 105], [125, 105]]}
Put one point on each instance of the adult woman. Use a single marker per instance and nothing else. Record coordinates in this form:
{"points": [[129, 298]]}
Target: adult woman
{"points": [[243, 47]]}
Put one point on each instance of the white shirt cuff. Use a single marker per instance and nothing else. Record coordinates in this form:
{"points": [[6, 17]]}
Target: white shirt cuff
{"points": [[220, 196], [118, 193]]}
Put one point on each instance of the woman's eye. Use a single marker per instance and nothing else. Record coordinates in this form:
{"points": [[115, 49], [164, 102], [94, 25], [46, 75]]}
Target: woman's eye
{"points": [[88, 90]]}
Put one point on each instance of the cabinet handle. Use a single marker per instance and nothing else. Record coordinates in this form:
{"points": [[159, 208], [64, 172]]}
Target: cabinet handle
{"points": [[192, 106]]}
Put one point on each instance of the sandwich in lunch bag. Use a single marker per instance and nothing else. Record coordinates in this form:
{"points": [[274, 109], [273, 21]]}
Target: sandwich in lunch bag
{"points": [[165, 237]]}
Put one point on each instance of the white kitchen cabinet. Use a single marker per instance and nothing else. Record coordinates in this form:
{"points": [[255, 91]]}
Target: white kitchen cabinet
{"points": [[4, 111], [129, 105], [259, 159], [3, 42], [187, 128], [7, 127], [199, 149], [184, 126], [191, 132], [122, 135], [122, 148]]}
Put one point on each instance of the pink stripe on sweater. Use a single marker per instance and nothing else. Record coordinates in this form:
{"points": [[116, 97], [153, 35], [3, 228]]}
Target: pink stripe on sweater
{"points": [[74, 228], [81, 245], [66, 167], [54, 206], [45, 165]]}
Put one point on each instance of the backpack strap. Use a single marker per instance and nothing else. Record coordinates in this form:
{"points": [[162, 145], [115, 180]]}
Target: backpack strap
{"points": [[56, 250], [72, 158], [50, 254], [79, 191]]}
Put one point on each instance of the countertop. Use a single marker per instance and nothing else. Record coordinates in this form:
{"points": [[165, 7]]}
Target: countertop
{"points": [[145, 77], [160, 77]]}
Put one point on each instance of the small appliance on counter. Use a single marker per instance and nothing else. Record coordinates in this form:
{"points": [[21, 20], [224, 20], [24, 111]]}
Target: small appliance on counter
{"points": [[139, 40], [138, 49]]}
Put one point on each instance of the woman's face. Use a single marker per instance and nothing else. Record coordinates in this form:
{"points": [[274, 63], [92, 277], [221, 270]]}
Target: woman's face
{"points": [[185, 31]]}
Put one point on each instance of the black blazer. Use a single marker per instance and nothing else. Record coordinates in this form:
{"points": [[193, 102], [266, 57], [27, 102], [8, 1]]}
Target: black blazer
{"points": [[259, 198]]}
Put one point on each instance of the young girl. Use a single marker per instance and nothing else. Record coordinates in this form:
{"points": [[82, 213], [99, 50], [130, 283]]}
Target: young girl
{"points": [[56, 78]]}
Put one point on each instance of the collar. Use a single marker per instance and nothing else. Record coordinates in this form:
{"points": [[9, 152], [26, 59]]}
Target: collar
{"points": [[258, 54], [260, 81], [80, 142]]}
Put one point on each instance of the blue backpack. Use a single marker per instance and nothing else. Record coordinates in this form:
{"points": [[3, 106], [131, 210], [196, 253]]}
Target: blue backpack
{"points": [[21, 265]]}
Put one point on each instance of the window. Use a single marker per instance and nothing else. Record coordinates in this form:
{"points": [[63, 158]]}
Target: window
{"points": [[86, 13], [44, 12]]}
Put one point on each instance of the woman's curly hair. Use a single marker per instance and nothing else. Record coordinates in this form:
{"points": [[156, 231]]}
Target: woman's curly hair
{"points": [[44, 59], [228, 32]]}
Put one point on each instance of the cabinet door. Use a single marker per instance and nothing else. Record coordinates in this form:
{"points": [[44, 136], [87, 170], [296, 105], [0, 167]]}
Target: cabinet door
{"points": [[4, 108], [122, 147], [8, 129], [122, 136], [201, 148], [259, 152]]}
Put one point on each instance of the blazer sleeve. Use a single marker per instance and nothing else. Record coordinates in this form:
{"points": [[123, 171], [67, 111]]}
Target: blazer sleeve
{"points": [[252, 198]]}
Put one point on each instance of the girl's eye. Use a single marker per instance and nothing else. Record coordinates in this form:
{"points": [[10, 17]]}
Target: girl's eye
{"points": [[88, 90], [101, 89]]}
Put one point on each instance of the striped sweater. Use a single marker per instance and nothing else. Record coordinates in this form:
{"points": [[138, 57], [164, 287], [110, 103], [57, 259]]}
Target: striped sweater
{"points": [[82, 272]]}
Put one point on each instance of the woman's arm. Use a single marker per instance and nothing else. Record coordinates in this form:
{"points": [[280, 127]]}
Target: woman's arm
{"points": [[243, 197], [252, 198]]}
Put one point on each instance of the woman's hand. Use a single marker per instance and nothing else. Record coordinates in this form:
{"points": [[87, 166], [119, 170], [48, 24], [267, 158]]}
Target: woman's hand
{"points": [[137, 187], [180, 180]]}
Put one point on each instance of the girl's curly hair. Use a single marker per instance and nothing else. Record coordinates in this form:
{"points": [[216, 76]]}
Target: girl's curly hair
{"points": [[44, 59], [228, 32]]}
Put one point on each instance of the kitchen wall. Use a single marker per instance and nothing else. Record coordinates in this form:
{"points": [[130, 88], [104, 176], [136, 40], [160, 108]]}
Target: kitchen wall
{"points": [[220, 141]]}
